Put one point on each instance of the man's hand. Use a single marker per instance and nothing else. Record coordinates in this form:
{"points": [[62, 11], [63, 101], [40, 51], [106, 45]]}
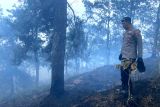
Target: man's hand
{"points": [[140, 65], [120, 57]]}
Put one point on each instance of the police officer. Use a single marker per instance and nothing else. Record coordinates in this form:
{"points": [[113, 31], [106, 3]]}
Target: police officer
{"points": [[131, 51]]}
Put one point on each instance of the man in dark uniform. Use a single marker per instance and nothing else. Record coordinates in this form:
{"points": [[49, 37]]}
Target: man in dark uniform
{"points": [[131, 51]]}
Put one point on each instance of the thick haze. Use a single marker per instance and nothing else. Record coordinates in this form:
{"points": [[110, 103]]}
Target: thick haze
{"points": [[93, 39]]}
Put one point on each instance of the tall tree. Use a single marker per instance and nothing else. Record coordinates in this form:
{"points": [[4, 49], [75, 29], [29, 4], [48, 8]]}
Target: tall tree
{"points": [[58, 46], [157, 32], [76, 42], [28, 31]]}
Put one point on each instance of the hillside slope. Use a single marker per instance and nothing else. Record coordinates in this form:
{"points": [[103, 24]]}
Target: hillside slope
{"points": [[98, 88], [146, 94]]}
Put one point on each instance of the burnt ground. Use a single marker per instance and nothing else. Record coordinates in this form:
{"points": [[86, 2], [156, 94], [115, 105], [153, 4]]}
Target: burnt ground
{"points": [[146, 94], [98, 88]]}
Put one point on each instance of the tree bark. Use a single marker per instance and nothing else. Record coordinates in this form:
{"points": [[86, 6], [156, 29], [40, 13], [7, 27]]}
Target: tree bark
{"points": [[157, 31], [37, 67], [108, 41], [58, 47], [66, 65], [77, 64]]}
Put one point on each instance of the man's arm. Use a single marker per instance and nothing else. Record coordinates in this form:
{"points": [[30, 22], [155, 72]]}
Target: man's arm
{"points": [[139, 43], [140, 64]]}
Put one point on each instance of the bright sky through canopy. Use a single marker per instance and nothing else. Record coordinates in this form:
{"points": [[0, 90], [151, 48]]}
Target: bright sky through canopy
{"points": [[77, 5], [7, 4]]}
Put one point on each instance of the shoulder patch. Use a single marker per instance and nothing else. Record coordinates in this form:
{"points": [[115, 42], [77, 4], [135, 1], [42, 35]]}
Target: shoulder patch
{"points": [[137, 32]]}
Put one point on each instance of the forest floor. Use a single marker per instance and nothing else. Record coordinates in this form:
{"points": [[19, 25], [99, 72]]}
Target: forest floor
{"points": [[98, 88], [146, 94]]}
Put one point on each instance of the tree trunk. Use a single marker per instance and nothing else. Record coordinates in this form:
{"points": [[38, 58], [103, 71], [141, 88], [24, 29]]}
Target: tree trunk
{"points": [[108, 34], [132, 10], [37, 67], [108, 40], [77, 63], [66, 66], [12, 85], [157, 30], [58, 47]]}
